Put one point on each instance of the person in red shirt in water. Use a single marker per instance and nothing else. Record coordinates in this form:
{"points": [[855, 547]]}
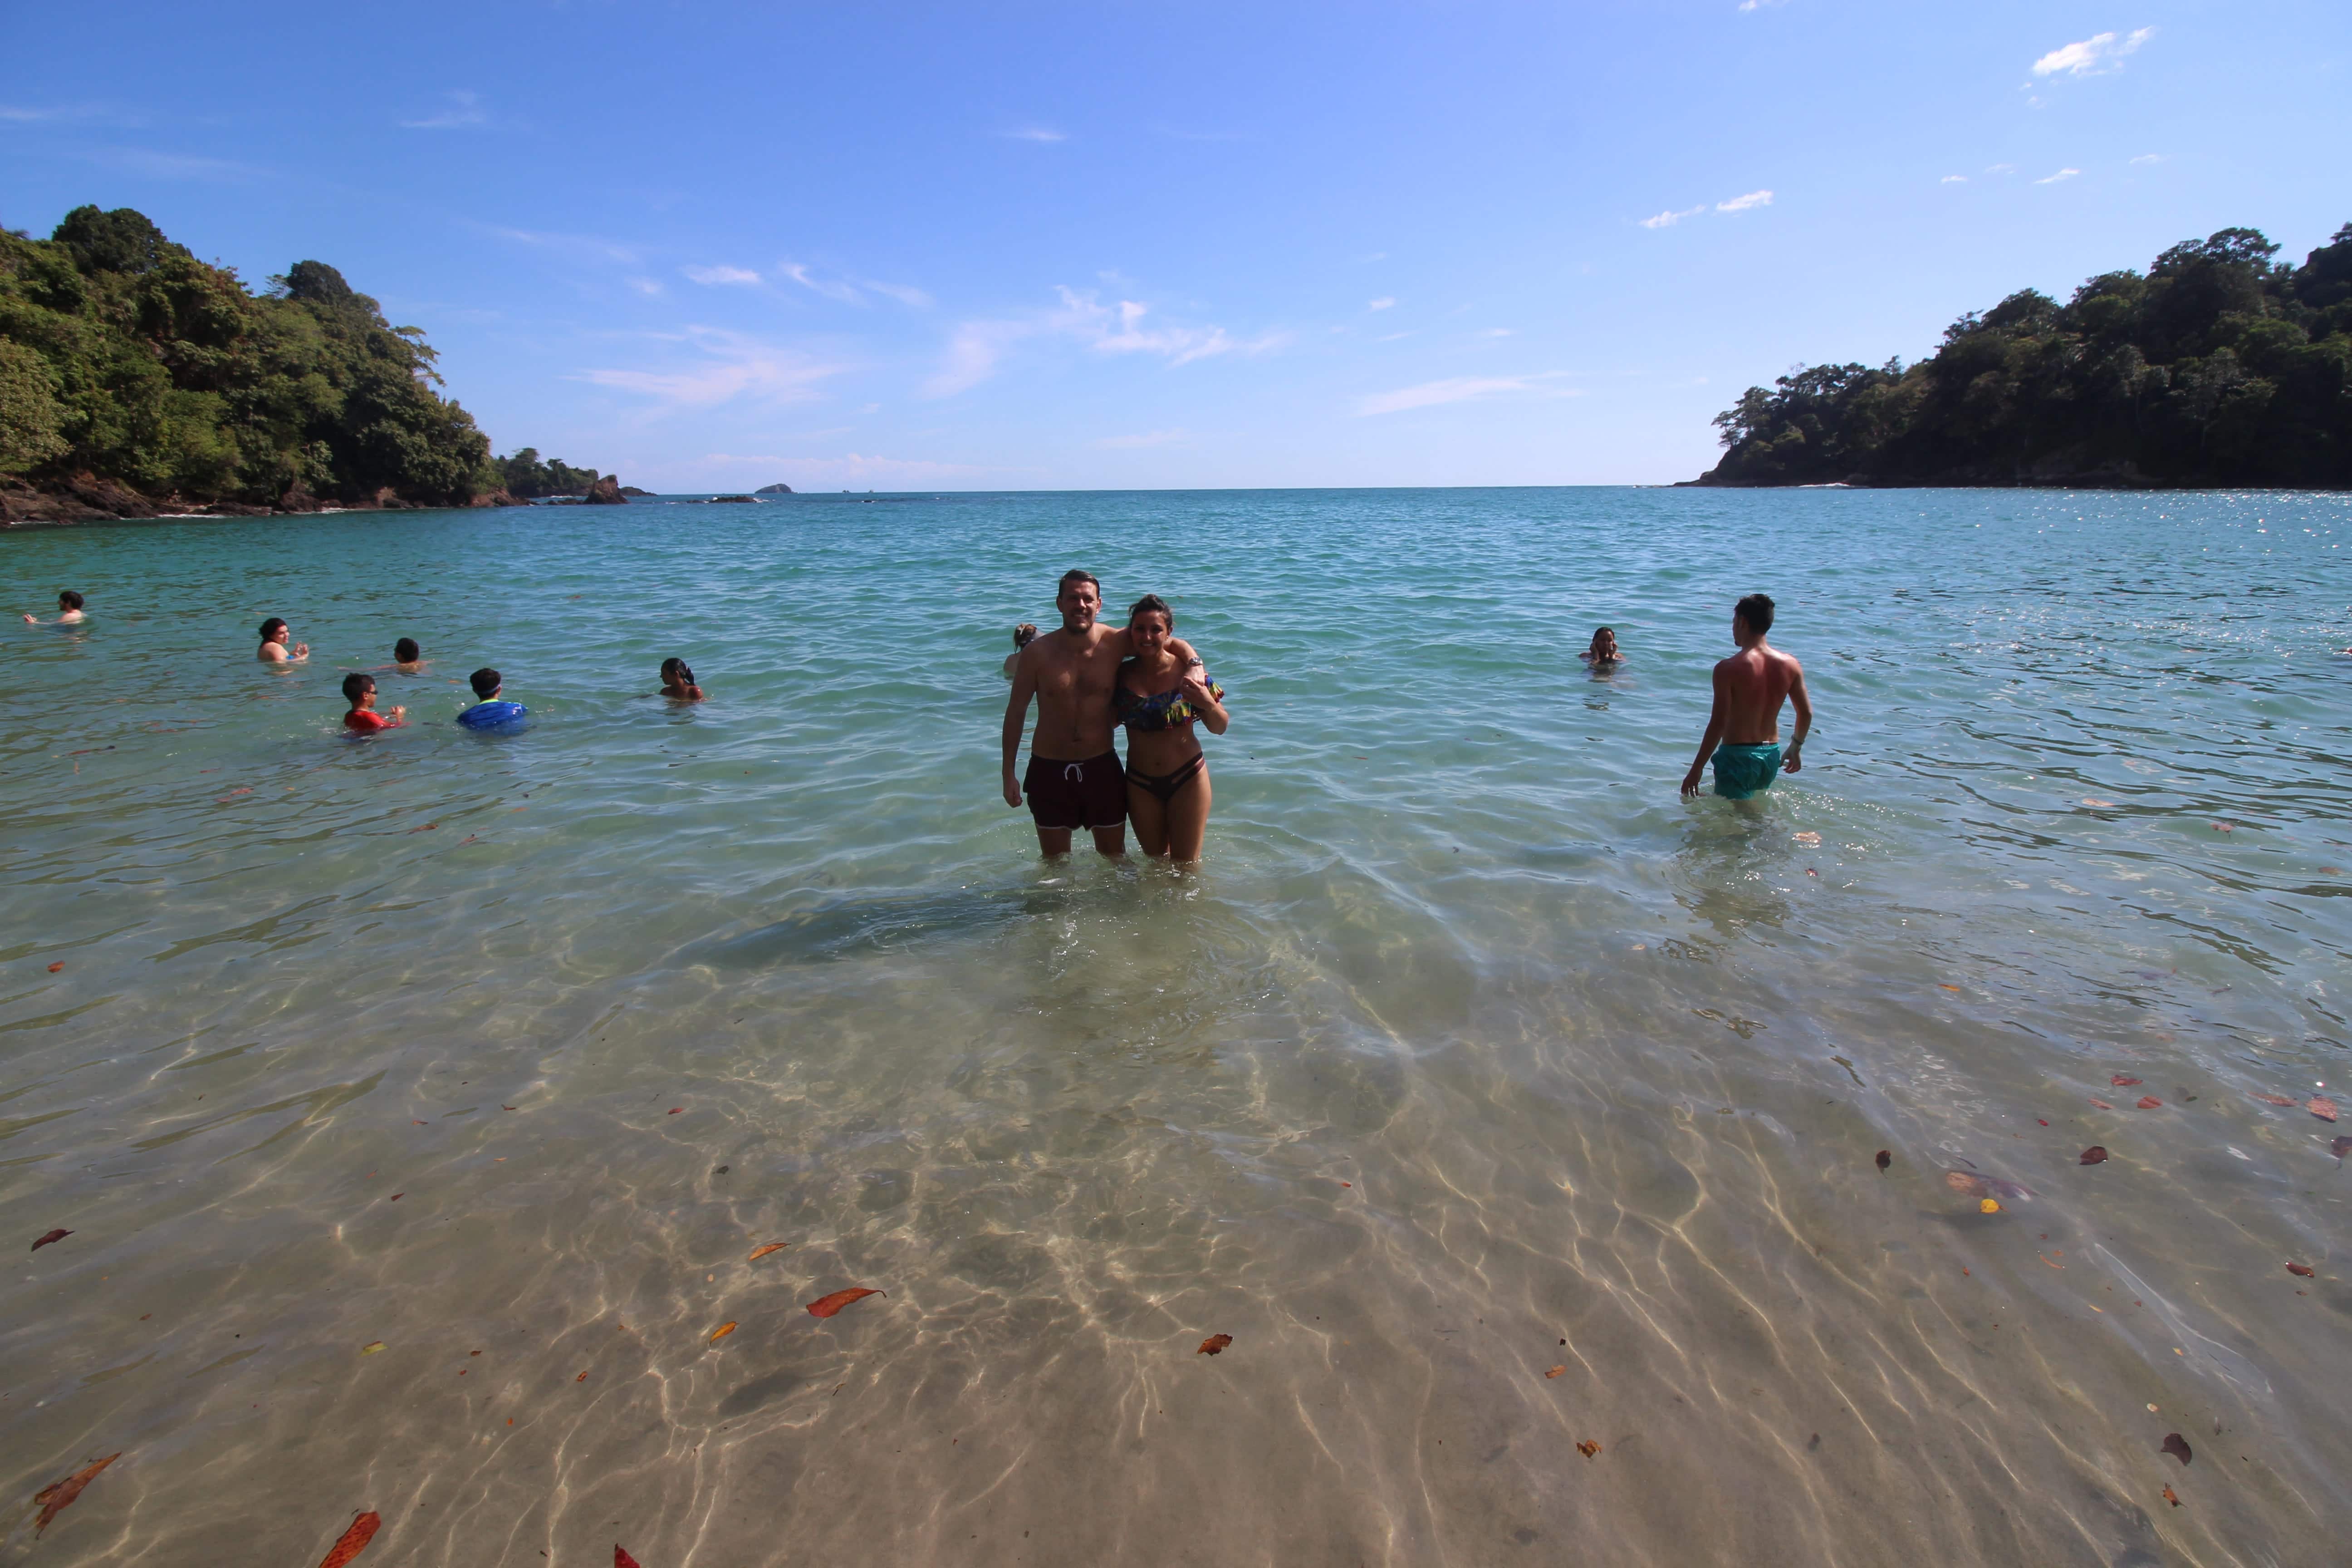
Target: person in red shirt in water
{"points": [[364, 720]]}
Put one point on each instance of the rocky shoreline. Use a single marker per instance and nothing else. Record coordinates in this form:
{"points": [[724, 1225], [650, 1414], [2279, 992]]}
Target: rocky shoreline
{"points": [[86, 497]]}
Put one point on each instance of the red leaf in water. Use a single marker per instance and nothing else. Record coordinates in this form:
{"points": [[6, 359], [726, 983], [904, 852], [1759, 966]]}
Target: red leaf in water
{"points": [[2175, 1445], [1884, 1159], [676, 1109], [354, 1541], [2300, 1269], [56, 1496], [60, 965], [2043, 1123], [1214, 1345], [2274, 1100], [827, 1306], [2120, 1081], [2171, 1499], [2321, 1107], [1588, 1448], [2094, 1155], [622, 1559], [2149, 1102], [2102, 1104], [53, 1236]]}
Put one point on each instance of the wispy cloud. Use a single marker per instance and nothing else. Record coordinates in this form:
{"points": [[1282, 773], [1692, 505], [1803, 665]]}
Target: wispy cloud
{"points": [[1036, 133], [25, 114], [644, 286], [1458, 389], [976, 348], [1670, 217], [2060, 174], [831, 289], [904, 293], [174, 165], [1742, 203], [2001, 168], [2149, 158], [730, 365], [717, 277], [1148, 438], [1499, 332], [581, 246], [1955, 180], [2095, 56], [465, 111], [1386, 301]]}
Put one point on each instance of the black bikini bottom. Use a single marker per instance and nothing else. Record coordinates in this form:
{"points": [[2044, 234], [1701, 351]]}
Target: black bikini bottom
{"points": [[1165, 786]]}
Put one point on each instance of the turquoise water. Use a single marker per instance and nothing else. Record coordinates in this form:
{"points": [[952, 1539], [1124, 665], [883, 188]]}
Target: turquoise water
{"points": [[1469, 1038]]}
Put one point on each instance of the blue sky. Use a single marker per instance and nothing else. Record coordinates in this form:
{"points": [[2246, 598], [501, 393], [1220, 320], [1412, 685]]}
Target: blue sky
{"points": [[1039, 247]]}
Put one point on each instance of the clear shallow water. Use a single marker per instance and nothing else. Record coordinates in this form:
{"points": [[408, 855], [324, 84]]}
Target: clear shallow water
{"points": [[1469, 1038]]}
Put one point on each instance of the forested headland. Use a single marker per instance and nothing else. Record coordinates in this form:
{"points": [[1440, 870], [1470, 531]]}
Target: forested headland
{"points": [[2220, 366], [136, 379]]}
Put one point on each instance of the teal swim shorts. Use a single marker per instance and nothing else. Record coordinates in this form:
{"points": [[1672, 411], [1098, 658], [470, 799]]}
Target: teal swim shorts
{"points": [[1743, 770]]}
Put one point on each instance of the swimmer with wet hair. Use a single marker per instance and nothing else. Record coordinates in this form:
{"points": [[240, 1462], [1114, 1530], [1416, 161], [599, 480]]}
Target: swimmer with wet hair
{"points": [[274, 647], [1022, 635], [677, 681], [1603, 651], [406, 657], [359, 690], [69, 611]]}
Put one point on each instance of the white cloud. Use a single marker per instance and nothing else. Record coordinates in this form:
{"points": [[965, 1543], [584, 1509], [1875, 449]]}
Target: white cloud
{"points": [[975, 348], [1149, 438], [2095, 56], [1036, 133], [714, 276], [1742, 203], [1668, 218], [644, 286], [2060, 174], [906, 294], [1456, 389], [830, 289], [2001, 168], [732, 366], [1955, 180], [1499, 332], [1385, 302], [465, 110], [2149, 158]]}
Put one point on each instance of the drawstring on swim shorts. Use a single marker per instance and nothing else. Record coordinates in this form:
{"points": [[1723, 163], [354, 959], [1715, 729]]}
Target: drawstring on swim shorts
{"points": [[1074, 771]]}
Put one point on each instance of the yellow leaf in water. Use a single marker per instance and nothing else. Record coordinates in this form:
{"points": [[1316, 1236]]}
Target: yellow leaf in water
{"points": [[1940, 986], [371, 1347], [1989, 1206], [720, 1333], [759, 1252]]}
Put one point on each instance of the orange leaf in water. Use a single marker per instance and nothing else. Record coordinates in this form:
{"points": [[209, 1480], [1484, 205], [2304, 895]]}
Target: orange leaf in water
{"points": [[1214, 1345], [53, 1236], [2301, 1269], [56, 1496], [2274, 1100], [2102, 1104], [827, 1306], [582, 1378], [2120, 1081], [59, 965], [2149, 1102], [759, 1252], [354, 1540], [622, 1559], [720, 1333], [1556, 1372], [2171, 1499], [1588, 1448], [2095, 1156], [2321, 1107]]}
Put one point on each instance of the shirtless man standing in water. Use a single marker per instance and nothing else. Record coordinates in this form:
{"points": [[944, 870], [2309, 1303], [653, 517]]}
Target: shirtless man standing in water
{"points": [[1074, 780], [1749, 688]]}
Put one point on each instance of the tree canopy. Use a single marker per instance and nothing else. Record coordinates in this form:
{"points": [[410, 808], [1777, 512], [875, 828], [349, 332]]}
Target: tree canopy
{"points": [[2220, 366], [123, 356]]}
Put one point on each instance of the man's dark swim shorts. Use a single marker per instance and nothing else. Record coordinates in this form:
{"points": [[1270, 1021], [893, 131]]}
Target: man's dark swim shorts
{"points": [[1092, 794]]}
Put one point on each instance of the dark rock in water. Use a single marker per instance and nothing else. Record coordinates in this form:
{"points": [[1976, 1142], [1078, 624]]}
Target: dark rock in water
{"points": [[632, 491], [605, 491], [720, 500], [774, 490], [497, 498], [297, 498]]}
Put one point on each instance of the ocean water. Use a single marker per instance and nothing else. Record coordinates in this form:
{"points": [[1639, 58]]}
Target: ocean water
{"points": [[1492, 1098]]}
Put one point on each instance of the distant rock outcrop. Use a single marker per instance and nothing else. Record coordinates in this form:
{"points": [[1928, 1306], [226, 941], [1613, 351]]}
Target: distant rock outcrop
{"points": [[606, 492], [632, 491], [774, 490]]}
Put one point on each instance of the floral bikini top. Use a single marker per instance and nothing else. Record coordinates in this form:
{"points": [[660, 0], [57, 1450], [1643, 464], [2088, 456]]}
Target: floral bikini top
{"points": [[1161, 710]]}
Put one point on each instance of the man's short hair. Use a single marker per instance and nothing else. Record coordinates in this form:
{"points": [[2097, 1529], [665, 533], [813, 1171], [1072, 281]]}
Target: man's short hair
{"points": [[70, 599], [1757, 610], [1078, 574], [405, 650], [485, 682], [356, 686]]}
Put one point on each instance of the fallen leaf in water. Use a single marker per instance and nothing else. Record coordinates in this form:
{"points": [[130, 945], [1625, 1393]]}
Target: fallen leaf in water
{"points": [[1969, 1184], [759, 1252], [1809, 839], [506, 1108], [2102, 1104], [2175, 1445], [2050, 1260], [1588, 1448], [1941, 987], [2148, 1103], [2120, 1081], [354, 1540], [1885, 1158], [2094, 1155], [619, 1558], [371, 1347], [2339, 1147], [2171, 1499], [56, 1496], [1988, 1206], [1556, 1372], [395, 1197], [827, 1306], [2274, 1099], [676, 1109], [427, 827], [2101, 804], [53, 1236], [2220, 828], [2321, 1107], [720, 1333], [1214, 1345], [2301, 1270], [2039, 1120], [60, 965]]}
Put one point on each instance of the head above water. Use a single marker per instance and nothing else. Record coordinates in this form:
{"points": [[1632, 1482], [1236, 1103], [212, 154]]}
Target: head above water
{"points": [[1023, 635], [274, 629], [406, 651], [1604, 640], [486, 682], [69, 600], [356, 686], [1755, 613], [677, 672], [1079, 598]]}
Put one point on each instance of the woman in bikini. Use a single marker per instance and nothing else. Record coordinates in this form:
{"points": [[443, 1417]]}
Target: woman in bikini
{"points": [[1160, 702]]}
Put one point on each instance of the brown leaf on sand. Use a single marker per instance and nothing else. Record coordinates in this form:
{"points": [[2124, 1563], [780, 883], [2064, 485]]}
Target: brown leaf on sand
{"points": [[1556, 1372], [2274, 1100], [827, 1306], [2149, 1102], [53, 1236], [2175, 1445], [1214, 1345], [58, 967], [2171, 1499], [58, 1496], [2319, 1105], [622, 1559], [1588, 1448], [2102, 1104], [2120, 1081], [354, 1540], [759, 1252], [720, 1333], [1885, 1158], [2096, 1155], [2301, 1270]]}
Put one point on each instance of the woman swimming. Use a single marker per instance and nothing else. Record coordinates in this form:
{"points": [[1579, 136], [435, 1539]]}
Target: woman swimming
{"points": [[1603, 654], [1159, 700], [677, 681], [274, 639], [1022, 635]]}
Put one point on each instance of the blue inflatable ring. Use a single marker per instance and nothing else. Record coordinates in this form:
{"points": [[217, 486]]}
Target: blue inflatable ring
{"points": [[492, 715]]}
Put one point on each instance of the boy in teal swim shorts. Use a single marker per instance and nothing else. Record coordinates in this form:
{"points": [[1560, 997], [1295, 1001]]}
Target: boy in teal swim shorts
{"points": [[1743, 731]]}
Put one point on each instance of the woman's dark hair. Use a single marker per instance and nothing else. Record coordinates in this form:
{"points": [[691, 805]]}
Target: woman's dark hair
{"points": [[1147, 605], [678, 671], [70, 599], [355, 685], [405, 650], [1023, 635], [1757, 610], [1600, 632], [272, 626]]}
